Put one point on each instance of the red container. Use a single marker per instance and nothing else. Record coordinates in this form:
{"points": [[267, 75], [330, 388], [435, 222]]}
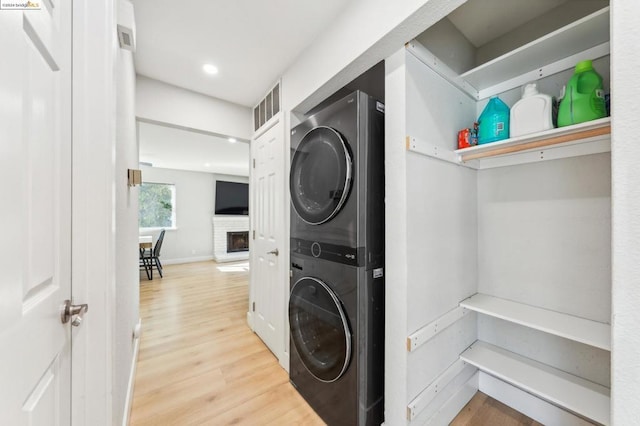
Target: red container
{"points": [[467, 138]]}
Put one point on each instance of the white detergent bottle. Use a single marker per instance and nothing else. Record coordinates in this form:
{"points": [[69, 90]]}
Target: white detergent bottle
{"points": [[532, 113]]}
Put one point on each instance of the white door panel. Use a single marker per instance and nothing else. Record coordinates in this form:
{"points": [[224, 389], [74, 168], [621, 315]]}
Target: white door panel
{"points": [[35, 168], [267, 285]]}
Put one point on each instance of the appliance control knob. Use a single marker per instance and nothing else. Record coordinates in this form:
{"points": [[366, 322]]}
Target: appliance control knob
{"points": [[315, 249]]}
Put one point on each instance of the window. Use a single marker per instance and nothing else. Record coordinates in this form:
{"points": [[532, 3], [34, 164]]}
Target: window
{"points": [[157, 205]]}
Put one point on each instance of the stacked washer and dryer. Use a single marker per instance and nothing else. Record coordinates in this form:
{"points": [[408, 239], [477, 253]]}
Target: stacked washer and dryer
{"points": [[336, 307]]}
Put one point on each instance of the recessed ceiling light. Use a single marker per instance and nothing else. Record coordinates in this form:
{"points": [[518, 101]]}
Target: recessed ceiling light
{"points": [[232, 140], [210, 69]]}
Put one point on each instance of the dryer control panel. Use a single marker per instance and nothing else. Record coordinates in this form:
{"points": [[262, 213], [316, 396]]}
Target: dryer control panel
{"points": [[334, 253]]}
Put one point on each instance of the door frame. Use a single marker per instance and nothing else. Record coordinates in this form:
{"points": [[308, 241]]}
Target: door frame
{"points": [[93, 209]]}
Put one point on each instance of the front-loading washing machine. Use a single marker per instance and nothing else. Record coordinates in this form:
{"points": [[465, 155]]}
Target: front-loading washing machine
{"points": [[336, 182], [336, 319]]}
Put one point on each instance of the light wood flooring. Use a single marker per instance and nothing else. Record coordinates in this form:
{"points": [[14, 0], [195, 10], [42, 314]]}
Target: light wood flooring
{"points": [[200, 364], [484, 410]]}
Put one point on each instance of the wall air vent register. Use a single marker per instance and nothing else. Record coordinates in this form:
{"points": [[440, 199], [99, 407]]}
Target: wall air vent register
{"points": [[267, 108]]}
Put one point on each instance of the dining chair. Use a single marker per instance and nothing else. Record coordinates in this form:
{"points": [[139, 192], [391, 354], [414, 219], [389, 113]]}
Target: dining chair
{"points": [[150, 258], [155, 257], [145, 262]]}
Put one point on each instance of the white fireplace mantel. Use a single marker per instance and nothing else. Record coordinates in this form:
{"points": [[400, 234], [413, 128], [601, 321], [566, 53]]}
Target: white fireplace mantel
{"points": [[222, 225]]}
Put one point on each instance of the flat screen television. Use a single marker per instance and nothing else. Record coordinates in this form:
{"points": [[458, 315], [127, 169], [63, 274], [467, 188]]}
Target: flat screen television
{"points": [[232, 198]]}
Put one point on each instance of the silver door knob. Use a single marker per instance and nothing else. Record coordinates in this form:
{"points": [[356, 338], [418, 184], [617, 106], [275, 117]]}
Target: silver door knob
{"points": [[274, 252], [73, 313]]}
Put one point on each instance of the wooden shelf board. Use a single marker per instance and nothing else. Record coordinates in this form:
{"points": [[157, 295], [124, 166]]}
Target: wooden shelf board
{"points": [[577, 133], [581, 330], [580, 396], [580, 35]]}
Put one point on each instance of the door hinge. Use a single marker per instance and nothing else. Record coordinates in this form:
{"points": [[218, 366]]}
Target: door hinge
{"points": [[253, 306], [254, 234], [254, 163]]}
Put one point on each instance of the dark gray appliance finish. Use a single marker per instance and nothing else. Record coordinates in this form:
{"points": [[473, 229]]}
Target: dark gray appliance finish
{"points": [[337, 182], [336, 317]]}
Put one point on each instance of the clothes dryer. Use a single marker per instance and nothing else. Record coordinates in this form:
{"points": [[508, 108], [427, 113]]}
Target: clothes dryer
{"points": [[336, 317], [337, 182]]}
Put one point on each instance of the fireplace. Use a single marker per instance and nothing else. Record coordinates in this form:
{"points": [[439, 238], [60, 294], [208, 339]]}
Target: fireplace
{"points": [[221, 227], [237, 241]]}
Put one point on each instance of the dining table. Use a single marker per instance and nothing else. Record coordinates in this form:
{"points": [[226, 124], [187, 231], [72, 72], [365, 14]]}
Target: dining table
{"points": [[146, 241]]}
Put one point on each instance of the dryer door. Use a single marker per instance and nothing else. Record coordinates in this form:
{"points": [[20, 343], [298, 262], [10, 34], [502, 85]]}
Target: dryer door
{"points": [[319, 329], [320, 176]]}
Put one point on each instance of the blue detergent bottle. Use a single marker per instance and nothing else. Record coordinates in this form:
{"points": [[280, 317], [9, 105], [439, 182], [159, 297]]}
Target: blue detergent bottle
{"points": [[493, 122]]}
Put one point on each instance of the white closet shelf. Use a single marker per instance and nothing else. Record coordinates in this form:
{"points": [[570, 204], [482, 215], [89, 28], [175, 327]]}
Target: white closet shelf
{"points": [[586, 38], [585, 33], [580, 396], [581, 330], [585, 134]]}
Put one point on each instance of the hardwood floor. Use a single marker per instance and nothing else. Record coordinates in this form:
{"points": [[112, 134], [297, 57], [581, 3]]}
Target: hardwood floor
{"points": [[200, 364], [484, 410]]}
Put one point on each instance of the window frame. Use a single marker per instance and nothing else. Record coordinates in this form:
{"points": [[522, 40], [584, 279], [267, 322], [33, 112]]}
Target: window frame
{"points": [[174, 225]]}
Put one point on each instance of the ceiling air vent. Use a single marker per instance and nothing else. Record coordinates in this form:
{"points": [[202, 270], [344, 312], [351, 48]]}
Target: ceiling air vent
{"points": [[267, 108]]}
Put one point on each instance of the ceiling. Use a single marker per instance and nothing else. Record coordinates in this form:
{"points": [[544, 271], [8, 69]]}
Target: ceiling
{"points": [[252, 42], [172, 148]]}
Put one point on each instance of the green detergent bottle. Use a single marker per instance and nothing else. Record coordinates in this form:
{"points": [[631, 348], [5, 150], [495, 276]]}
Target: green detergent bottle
{"points": [[584, 97]]}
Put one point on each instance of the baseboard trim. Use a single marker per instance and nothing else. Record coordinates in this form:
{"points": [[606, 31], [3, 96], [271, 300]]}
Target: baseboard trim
{"points": [[186, 260], [450, 409], [132, 374], [250, 320], [232, 257], [284, 361]]}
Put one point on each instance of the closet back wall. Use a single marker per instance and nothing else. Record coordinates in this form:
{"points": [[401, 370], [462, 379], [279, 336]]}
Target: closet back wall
{"points": [[192, 241]]}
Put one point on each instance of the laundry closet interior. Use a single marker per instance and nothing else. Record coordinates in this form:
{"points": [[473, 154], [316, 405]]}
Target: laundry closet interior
{"points": [[498, 257]]}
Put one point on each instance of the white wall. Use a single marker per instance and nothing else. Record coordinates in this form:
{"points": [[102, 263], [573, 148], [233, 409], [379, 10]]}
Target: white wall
{"points": [[164, 103], [449, 45], [367, 32], [395, 361], [126, 253], [195, 197], [625, 153], [441, 199]]}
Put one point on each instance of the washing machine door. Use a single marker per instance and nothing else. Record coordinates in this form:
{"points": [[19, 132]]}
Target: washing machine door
{"points": [[319, 329], [320, 176]]}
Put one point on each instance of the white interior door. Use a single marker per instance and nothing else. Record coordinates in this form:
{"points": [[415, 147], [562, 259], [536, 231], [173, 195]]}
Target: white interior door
{"points": [[267, 249], [35, 254]]}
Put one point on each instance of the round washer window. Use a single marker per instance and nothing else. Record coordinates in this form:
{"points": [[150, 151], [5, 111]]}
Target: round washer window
{"points": [[320, 175], [319, 329]]}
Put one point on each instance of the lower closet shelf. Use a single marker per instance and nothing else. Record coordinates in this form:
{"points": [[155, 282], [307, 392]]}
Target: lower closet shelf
{"points": [[570, 327], [573, 393]]}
